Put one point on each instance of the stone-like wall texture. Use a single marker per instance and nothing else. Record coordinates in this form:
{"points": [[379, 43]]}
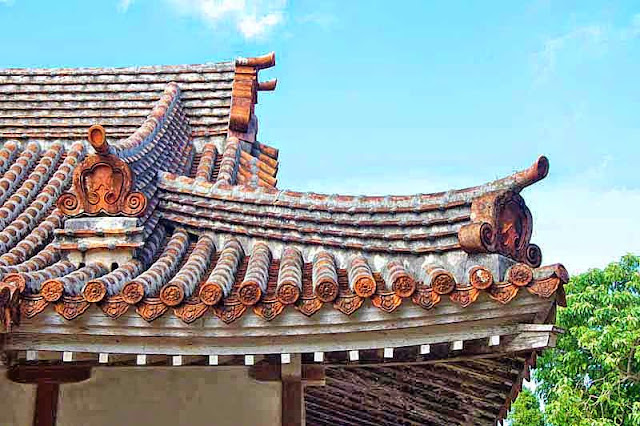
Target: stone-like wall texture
{"points": [[16, 402], [175, 396]]}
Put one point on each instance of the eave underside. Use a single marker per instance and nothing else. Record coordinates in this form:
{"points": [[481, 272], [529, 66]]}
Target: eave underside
{"points": [[468, 392], [386, 362], [453, 366]]}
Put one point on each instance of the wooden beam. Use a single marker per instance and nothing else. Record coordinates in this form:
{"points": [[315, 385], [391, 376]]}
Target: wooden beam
{"points": [[412, 326], [46, 409], [48, 379], [292, 392], [292, 403], [524, 341], [311, 374]]}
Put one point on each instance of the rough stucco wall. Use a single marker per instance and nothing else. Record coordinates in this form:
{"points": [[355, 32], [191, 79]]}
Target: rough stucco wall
{"points": [[171, 397], [16, 402]]}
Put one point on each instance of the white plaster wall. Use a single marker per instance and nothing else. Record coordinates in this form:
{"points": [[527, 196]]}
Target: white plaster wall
{"points": [[174, 396], [16, 402]]}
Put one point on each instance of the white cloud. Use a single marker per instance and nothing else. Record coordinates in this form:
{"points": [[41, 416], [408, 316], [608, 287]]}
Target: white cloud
{"points": [[584, 39], [252, 26], [123, 5], [252, 18], [7, 2], [579, 39]]}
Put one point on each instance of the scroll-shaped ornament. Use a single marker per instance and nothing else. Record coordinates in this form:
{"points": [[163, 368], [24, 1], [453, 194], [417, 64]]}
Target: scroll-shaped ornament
{"points": [[10, 295], [102, 184], [501, 223]]}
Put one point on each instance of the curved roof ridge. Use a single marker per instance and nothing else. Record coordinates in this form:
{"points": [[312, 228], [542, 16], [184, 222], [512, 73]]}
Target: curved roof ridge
{"points": [[152, 124], [523, 178], [351, 203]]}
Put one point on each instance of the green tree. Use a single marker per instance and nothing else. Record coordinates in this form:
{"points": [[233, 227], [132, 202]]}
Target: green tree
{"points": [[592, 376], [526, 410]]}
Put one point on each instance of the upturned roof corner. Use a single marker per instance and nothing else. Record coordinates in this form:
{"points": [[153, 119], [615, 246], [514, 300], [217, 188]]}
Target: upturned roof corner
{"points": [[175, 230]]}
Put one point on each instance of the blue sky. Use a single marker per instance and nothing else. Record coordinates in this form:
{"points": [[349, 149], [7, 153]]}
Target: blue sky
{"points": [[406, 96]]}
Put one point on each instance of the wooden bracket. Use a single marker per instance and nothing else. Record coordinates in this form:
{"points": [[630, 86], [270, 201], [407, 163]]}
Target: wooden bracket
{"points": [[56, 374], [48, 379], [310, 375]]}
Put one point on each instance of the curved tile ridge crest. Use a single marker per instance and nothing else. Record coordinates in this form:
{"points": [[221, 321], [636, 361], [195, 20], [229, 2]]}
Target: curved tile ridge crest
{"points": [[18, 170], [184, 282], [148, 283], [229, 162], [30, 187], [8, 153], [45, 257], [350, 203], [32, 281], [258, 62], [220, 282], [27, 246], [145, 134], [33, 215]]}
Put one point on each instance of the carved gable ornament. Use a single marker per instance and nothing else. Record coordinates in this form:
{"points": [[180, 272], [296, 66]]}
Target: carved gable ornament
{"points": [[501, 223], [102, 184]]}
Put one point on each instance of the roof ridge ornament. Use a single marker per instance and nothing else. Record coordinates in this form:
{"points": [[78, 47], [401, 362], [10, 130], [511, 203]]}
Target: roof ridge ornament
{"points": [[244, 92], [258, 62], [102, 184], [535, 173], [501, 223]]}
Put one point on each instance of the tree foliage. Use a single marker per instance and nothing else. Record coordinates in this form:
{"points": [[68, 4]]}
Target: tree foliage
{"points": [[526, 410], [592, 377]]}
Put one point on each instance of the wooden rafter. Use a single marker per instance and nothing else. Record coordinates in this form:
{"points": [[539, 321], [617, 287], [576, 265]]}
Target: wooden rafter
{"points": [[406, 404], [337, 401], [433, 392], [460, 392]]}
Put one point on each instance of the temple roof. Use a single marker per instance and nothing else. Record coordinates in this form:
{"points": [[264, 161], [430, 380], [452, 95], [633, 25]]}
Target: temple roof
{"points": [[219, 239], [218, 244]]}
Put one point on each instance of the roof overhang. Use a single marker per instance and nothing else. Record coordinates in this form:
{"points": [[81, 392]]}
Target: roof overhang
{"points": [[520, 325]]}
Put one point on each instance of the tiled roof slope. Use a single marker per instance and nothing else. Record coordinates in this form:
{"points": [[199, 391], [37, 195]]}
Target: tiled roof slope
{"points": [[217, 276], [28, 192], [63, 102], [155, 118], [420, 224], [236, 248], [219, 235], [216, 99], [221, 242]]}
